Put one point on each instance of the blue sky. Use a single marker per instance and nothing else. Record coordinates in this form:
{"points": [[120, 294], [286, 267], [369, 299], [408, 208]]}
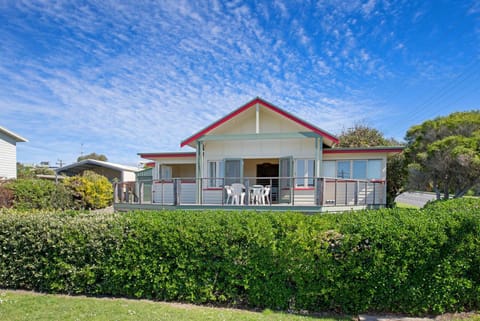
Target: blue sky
{"points": [[122, 77]]}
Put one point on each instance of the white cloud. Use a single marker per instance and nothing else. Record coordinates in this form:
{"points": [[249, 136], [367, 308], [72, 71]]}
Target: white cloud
{"points": [[368, 7], [127, 77]]}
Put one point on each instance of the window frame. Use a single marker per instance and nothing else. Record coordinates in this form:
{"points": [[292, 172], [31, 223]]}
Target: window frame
{"points": [[215, 180], [305, 179]]}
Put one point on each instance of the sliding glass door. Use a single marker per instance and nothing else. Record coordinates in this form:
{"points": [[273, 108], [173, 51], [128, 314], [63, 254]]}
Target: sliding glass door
{"points": [[285, 179], [233, 171]]}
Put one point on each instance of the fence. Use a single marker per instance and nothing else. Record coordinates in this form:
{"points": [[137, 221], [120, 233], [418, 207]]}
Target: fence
{"points": [[266, 191]]}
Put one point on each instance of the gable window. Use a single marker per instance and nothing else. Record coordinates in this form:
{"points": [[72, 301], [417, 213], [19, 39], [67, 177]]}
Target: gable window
{"points": [[215, 173], [304, 172]]}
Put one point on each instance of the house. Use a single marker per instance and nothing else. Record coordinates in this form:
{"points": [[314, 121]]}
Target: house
{"points": [[8, 153], [273, 159], [112, 171]]}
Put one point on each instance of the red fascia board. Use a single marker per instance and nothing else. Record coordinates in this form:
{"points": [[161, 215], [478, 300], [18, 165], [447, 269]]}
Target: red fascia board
{"points": [[300, 121], [361, 151], [167, 155], [218, 123], [247, 106]]}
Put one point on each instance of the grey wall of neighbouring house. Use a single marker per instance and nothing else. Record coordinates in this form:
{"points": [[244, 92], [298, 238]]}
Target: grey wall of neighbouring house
{"points": [[110, 174], [8, 157], [145, 176]]}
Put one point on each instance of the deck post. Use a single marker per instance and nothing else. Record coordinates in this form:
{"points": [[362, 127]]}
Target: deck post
{"points": [[346, 192], [335, 192], [115, 193], [356, 192], [318, 166], [198, 171]]}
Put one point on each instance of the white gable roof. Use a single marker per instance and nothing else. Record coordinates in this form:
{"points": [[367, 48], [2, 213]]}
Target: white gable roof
{"points": [[16, 137]]}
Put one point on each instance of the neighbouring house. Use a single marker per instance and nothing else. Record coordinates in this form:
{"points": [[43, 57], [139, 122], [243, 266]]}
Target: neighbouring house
{"points": [[8, 153], [261, 155], [114, 172]]}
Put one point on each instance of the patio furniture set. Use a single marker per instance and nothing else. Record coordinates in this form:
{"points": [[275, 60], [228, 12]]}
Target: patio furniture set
{"points": [[257, 194]]}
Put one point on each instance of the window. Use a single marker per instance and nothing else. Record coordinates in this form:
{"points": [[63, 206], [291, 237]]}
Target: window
{"points": [[359, 169], [304, 172], [165, 172], [343, 169], [374, 169], [355, 169], [233, 171], [215, 173], [329, 168]]}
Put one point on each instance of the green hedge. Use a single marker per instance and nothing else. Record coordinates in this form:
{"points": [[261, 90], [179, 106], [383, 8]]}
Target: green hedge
{"points": [[398, 260]]}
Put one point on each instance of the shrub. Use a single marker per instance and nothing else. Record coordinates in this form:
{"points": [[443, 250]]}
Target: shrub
{"points": [[39, 194], [6, 196], [90, 191], [32, 193], [395, 260]]}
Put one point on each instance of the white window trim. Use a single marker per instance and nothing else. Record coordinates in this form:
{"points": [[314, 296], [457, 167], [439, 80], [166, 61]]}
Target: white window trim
{"points": [[215, 179], [306, 175]]}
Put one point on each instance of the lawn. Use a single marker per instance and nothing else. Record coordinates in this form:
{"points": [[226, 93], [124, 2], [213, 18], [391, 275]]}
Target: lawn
{"points": [[21, 305], [404, 205]]}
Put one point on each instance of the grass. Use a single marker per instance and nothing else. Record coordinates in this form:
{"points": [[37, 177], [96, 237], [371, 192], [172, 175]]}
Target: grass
{"points": [[21, 305], [404, 205]]}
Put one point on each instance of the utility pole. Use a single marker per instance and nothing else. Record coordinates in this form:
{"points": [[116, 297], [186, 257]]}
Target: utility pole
{"points": [[59, 163]]}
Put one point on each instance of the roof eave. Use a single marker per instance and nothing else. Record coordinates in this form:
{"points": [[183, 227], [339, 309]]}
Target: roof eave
{"points": [[16, 137], [190, 140]]}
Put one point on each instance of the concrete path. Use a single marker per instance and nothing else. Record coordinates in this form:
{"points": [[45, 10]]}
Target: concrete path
{"points": [[418, 199]]}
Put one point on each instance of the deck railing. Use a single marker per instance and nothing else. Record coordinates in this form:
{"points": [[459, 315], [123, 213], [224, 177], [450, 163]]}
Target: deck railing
{"points": [[292, 191]]}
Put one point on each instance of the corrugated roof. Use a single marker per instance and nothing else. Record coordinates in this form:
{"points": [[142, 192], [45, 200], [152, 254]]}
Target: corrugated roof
{"points": [[88, 163]]}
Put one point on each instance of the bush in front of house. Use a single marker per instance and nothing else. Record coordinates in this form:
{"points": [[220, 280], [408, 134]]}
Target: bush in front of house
{"points": [[37, 194], [6, 195], [392, 260], [90, 190]]}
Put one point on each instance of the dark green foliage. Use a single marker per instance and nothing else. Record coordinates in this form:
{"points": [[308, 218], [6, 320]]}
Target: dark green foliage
{"points": [[95, 156], [39, 194], [444, 154], [396, 260]]}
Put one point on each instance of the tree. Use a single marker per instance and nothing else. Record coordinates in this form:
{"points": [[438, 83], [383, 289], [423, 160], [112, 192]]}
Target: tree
{"points": [[361, 135], [364, 136], [96, 156], [24, 171], [444, 154]]}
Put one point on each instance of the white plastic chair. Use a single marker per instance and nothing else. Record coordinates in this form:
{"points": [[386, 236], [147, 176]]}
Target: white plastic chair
{"points": [[257, 194], [238, 195], [266, 195], [229, 191]]}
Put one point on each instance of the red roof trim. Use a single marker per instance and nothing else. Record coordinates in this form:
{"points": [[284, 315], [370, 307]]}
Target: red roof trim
{"points": [[167, 155], [360, 150], [150, 164], [247, 106]]}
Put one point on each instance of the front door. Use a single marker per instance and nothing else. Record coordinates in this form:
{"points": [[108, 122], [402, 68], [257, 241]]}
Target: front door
{"points": [[267, 174]]}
